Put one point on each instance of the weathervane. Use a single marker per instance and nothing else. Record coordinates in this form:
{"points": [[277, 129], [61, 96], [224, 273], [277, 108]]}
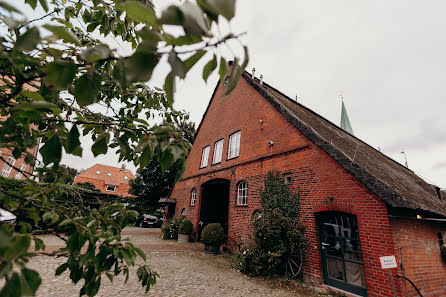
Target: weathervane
{"points": [[405, 158]]}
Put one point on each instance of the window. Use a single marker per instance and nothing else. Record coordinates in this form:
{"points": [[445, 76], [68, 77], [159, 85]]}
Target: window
{"points": [[193, 196], [234, 145], [98, 172], [218, 151], [8, 167], [287, 179], [126, 177], [20, 174], [242, 195], [111, 188], [109, 174], [183, 212], [205, 157]]}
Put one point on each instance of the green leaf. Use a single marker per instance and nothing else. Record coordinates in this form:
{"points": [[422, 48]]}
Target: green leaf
{"points": [[169, 88], [151, 35], [38, 244], [17, 248], [64, 33], [110, 276], [9, 7], [147, 155], [192, 60], [96, 53], [75, 242], [12, 288], [86, 88], [139, 66], [32, 3], [44, 5], [73, 140], [33, 95], [213, 8], [139, 12], [172, 16], [194, 22], [60, 74], [50, 217], [223, 69], [209, 68], [166, 160], [140, 253], [178, 67], [100, 146], [28, 40], [29, 282], [61, 268], [51, 151], [42, 106]]}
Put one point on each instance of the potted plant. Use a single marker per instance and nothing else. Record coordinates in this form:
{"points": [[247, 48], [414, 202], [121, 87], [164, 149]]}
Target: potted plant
{"points": [[185, 231], [170, 228], [212, 236]]}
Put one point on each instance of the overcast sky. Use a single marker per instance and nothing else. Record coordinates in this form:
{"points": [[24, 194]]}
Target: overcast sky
{"points": [[387, 57]]}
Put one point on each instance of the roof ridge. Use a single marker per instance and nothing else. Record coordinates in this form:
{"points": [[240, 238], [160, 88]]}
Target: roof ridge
{"points": [[325, 119]]}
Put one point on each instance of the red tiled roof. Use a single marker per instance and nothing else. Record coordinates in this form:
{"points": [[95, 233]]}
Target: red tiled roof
{"points": [[109, 174]]}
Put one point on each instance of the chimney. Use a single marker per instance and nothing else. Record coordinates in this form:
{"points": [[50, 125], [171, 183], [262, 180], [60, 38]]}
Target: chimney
{"points": [[253, 71], [123, 166], [261, 79]]}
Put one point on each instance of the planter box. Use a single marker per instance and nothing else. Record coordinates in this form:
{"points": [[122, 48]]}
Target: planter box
{"points": [[183, 238], [214, 250]]}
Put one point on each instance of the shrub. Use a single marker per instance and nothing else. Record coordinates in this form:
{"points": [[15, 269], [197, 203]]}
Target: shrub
{"points": [[170, 229], [213, 234], [186, 227], [277, 231]]}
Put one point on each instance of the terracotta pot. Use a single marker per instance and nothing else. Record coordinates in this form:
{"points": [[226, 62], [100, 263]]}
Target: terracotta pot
{"points": [[209, 249], [183, 238]]}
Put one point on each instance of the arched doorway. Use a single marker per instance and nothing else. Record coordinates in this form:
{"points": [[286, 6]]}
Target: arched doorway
{"points": [[214, 204]]}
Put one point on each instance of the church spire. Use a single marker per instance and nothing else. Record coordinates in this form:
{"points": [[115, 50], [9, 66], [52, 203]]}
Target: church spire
{"points": [[345, 122]]}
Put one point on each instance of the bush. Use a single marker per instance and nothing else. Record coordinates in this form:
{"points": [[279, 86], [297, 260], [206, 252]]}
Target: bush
{"points": [[170, 229], [186, 227], [277, 231], [213, 234]]}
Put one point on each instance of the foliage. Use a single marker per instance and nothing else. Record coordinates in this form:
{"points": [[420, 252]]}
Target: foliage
{"points": [[94, 247], [443, 252], [277, 231], [151, 183], [87, 186], [57, 174], [60, 83], [170, 229], [186, 227], [213, 234]]}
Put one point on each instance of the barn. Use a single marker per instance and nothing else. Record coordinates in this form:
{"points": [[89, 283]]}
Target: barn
{"points": [[357, 204]]}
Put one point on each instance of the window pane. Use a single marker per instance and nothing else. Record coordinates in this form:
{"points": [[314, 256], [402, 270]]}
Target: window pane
{"points": [[234, 145], [355, 274], [335, 268], [205, 157], [218, 150]]}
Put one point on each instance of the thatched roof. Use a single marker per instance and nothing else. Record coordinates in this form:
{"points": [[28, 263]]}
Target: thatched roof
{"points": [[397, 185]]}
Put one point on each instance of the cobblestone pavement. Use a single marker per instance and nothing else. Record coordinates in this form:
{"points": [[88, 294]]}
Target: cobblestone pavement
{"points": [[184, 271]]}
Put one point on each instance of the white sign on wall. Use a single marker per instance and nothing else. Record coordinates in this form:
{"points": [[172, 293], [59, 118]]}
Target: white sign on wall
{"points": [[388, 262]]}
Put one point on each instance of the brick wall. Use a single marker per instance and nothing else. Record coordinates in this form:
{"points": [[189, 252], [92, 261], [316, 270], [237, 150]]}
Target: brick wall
{"points": [[417, 245], [5, 153]]}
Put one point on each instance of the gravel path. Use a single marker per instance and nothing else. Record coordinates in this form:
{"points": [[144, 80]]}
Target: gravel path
{"points": [[184, 271]]}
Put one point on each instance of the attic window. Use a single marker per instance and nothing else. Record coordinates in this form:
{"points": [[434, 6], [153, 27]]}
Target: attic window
{"points": [[109, 174], [111, 188], [98, 172], [226, 81], [126, 177]]}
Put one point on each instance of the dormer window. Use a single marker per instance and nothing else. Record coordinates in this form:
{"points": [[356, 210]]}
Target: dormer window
{"points": [[205, 157], [126, 177], [234, 145], [98, 172], [111, 188], [109, 174]]}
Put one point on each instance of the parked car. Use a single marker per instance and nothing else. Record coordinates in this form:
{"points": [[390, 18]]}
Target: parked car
{"points": [[147, 220], [6, 217]]}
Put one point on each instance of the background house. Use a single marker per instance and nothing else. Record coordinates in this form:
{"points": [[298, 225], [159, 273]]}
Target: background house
{"points": [[107, 179], [357, 204]]}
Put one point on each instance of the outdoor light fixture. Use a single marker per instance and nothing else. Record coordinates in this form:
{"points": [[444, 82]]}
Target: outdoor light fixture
{"points": [[331, 198]]}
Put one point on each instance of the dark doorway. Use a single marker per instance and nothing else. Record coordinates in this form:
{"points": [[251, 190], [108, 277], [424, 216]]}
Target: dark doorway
{"points": [[341, 252], [214, 204]]}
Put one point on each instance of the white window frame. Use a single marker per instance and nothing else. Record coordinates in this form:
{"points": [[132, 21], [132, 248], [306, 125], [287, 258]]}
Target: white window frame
{"points": [[218, 151], [193, 196], [205, 156], [242, 193], [20, 173], [114, 188], [7, 168], [234, 145]]}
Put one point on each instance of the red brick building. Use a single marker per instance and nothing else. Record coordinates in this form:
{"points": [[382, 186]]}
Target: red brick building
{"points": [[15, 168], [107, 179], [356, 203]]}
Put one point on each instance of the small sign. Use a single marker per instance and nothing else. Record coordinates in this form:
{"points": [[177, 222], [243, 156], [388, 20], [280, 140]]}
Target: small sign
{"points": [[388, 262]]}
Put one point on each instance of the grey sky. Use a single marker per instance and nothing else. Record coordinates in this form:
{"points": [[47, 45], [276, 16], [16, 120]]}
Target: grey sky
{"points": [[387, 57]]}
